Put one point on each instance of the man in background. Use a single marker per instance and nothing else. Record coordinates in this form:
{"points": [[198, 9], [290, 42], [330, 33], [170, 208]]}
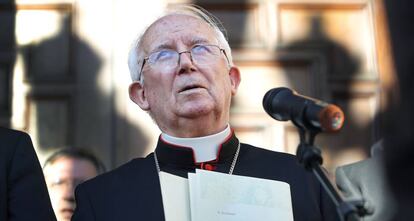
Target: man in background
{"points": [[23, 192], [64, 170], [399, 139]]}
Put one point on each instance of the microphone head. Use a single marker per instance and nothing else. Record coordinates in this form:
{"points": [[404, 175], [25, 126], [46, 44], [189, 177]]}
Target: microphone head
{"points": [[284, 104], [272, 103], [331, 118]]}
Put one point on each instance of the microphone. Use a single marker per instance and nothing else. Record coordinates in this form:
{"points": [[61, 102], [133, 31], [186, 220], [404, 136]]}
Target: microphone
{"points": [[283, 104]]}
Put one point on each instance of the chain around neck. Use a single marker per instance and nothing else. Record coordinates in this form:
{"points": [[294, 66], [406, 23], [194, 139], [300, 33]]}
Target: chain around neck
{"points": [[233, 164]]}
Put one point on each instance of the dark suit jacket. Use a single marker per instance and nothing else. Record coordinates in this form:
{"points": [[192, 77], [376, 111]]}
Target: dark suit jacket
{"points": [[23, 191], [132, 192]]}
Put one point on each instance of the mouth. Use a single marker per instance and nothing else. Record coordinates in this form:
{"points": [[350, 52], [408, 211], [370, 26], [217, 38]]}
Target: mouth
{"points": [[190, 87], [67, 211]]}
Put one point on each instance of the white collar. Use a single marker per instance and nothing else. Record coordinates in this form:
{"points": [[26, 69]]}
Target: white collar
{"points": [[205, 148]]}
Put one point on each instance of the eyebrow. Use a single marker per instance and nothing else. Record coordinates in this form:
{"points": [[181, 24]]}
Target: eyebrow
{"points": [[168, 45], [161, 46], [199, 41]]}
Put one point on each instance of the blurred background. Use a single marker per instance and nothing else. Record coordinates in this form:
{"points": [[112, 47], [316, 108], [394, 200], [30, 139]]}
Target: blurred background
{"points": [[64, 76]]}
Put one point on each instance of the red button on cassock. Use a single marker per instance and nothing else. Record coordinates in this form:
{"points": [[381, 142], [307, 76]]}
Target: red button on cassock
{"points": [[209, 167]]}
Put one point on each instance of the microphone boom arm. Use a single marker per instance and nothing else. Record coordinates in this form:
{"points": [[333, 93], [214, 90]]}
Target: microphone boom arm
{"points": [[311, 158]]}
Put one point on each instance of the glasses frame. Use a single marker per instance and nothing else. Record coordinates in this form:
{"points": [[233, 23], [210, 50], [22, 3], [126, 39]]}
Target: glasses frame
{"points": [[179, 56]]}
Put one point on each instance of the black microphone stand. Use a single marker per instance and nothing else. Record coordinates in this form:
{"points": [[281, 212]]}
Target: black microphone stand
{"points": [[310, 157]]}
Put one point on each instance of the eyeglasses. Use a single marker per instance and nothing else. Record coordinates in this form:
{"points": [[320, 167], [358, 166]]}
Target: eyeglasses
{"points": [[168, 59], [61, 183]]}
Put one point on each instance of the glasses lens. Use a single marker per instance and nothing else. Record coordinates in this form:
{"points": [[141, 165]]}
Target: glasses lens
{"points": [[163, 59], [64, 183], [205, 54]]}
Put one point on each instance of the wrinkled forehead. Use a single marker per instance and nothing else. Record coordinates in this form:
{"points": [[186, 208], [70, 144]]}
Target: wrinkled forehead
{"points": [[170, 29]]}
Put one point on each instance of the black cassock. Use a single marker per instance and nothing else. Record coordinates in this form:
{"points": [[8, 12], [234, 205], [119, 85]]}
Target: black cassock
{"points": [[132, 191]]}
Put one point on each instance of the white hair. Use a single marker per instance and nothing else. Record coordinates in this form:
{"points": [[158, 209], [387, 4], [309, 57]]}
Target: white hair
{"points": [[136, 54]]}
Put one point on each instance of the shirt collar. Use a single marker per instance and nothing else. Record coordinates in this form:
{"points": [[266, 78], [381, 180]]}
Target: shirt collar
{"points": [[183, 156], [204, 148]]}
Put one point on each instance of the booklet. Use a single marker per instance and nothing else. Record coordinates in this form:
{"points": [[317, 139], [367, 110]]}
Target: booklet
{"points": [[208, 195], [175, 197]]}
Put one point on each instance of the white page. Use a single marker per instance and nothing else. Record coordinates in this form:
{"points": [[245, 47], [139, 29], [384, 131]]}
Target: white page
{"points": [[192, 183], [175, 197], [223, 197]]}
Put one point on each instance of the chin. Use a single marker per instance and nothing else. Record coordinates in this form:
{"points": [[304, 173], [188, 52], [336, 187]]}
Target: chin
{"points": [[195, 111]]}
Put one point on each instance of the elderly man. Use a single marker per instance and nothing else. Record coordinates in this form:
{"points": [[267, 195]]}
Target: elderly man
{"points": [[183, 76], [64, 170]]}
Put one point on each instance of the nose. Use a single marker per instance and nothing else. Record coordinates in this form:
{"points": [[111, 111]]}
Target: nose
{"points": [[185, 62], [69, 193]]}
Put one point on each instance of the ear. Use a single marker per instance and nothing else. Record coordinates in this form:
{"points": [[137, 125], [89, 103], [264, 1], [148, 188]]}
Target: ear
{"points": [[235, 79], [138, 96]]}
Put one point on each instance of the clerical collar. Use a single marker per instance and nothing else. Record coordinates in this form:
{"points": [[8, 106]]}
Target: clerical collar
{"points": [[179, 160], [204, 148]]}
